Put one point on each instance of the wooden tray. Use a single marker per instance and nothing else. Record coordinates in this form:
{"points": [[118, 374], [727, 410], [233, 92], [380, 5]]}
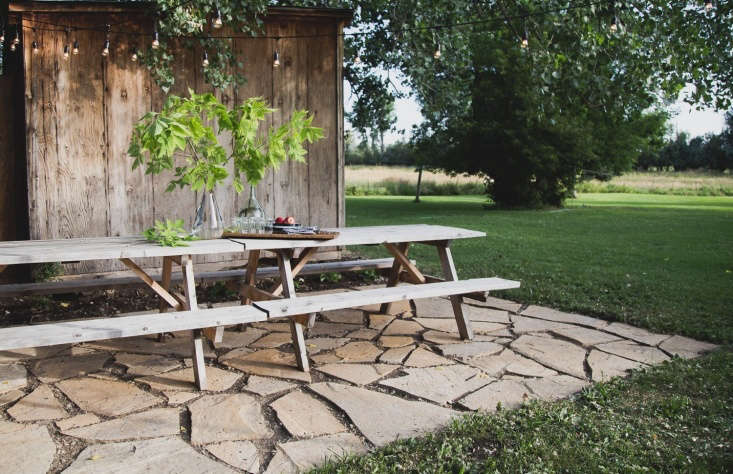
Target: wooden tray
{"points": [[320, 235]]}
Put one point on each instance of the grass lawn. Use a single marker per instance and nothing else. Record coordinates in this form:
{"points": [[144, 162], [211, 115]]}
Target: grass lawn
{"points": [[662, 262]]}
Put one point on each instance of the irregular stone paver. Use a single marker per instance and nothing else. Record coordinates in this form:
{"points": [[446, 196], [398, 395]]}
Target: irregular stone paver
{"points": [[439, 384], [233, 339], [240, 454], [304, 416], [558, 386], [570, 318], [58, 368], [106, 397], [421, 357], [10, 397], [319, 344], [12, 376], [25, 448], [326, 358], [635, 334], [361, 351], [491, 302], [227, 417], [273, 327], [685, 347], [364, 333], [146, 364], [379, 321], [604, 366], [160, 456], [17, 355], [401, 327], [272, 340], [584, 336], [508, 393], [281, 464], [522, 325], [179, 398], [178, 346], [509, 361], [359, 374], [634, 351], [395, 341], [396, 355], [442, 338], [443, 308], [470, 349], [154, 423], [77, 421], [449, 325], [40, 404], [233, 354], [559, 355], [332, 329], [347, 316], [266, 386], [384, 418], [217, 380], [269, 363], [310, 453]]}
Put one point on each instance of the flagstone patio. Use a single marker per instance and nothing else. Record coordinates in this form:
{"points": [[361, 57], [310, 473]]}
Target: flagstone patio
{"points": [[129, 405]]}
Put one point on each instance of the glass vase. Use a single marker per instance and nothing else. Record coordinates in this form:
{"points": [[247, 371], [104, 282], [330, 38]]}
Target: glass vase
{"points": [[253, 208], [208, 223]]}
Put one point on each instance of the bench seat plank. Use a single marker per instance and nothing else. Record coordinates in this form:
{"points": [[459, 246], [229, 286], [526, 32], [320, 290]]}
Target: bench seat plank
{"points": [[139, 325]]}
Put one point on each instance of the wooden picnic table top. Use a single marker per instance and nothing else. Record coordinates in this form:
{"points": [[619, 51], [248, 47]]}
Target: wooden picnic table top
{"points": [[105, 248]]}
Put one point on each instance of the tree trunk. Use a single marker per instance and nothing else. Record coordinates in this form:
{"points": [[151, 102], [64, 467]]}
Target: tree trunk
{"points": [[419, 182]]}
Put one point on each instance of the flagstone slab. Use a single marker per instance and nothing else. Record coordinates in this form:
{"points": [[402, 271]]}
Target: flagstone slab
{"points": [[439, 384], [40, 404], [304, 416], [322, 328], [146, 364], [685, 347], [106, 397], [442, 338], [361, 351], [319, 344], [12, 376], [396, 355], [272, 340], [155, 423], [29, 353], [233, 339], [422, 357], [380, 321], [240, 454], [159, 456], [470, 349], [269, 363], [179, 398], [403, 327], [507, 393], [396, 341], [265, 386], [217, 380], [9, 397], [555, 387], [443, 309], [65, 367], [634, 351], [25, 448], [347, 316], [635, 334], [326, 358], [449, 325], [498, 303], [527, 368], [233, 354], [358, 374], [85, 419], [383, 418], [511, 362], [281, 464], [604, 366], [584, 336], [178, 346], [273, 327], [559, 355], [227, 417], [570, 318], [364, 334], [523, 325], [310, 453]]}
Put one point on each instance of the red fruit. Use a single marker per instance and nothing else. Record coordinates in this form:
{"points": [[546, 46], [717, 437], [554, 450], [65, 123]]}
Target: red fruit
{"points": [[279, 220], [290, 220]]}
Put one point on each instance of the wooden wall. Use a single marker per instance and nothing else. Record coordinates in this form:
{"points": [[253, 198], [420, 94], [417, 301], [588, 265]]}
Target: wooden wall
{"points": [[79, 115]]}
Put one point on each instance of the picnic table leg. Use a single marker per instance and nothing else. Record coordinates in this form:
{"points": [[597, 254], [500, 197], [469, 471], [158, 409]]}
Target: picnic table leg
{"points": [[296, 328], [449, 273], [166, 284], [250, 279], [189, 288], [394, 275]]}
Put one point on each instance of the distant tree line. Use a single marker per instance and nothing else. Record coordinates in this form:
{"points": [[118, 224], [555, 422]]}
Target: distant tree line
{"points": [[363, 153]]}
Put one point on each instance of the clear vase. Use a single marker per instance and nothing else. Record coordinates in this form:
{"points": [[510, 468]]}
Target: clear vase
{"points": [[208, 223], [253, 208]]}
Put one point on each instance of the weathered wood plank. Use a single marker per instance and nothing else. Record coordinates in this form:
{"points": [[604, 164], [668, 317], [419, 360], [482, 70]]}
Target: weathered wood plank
{"points": [[449, 271], [154, 285], [302, 261], [296, 328], [394, 274], [406, 263], [139, 325]]}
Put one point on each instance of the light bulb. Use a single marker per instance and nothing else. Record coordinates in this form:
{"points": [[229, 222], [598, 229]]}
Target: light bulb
{"points": [[2, 35], [217, 20], [437, 52], [35, 47], [105, 51], [525, 42], [156, 42], [276, 61], [708, 6], [66, 52], [357, 59], [205, 62], [16, 40], [12, 47], [75, 49], [614, 25], [133, 58]]}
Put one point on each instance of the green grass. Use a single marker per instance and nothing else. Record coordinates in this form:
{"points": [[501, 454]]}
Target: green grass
{"points": [[658, 261]]}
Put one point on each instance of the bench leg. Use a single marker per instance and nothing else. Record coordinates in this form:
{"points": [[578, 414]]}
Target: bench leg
{"points": [[166, 284], [296, 328], [189, 287], [394, 275], [449, 273], [250, 279]]}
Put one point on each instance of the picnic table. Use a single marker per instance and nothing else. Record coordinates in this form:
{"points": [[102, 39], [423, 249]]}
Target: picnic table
{"points": [[281, 301]]}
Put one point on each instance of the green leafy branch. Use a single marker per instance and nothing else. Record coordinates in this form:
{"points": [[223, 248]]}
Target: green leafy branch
{"points": [[169, 233]]}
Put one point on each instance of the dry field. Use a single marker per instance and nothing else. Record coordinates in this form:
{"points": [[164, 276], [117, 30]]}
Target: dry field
{"points": [[674, 180], [371, 175]]}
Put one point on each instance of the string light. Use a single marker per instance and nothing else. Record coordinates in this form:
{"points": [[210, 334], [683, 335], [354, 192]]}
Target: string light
{"points": [[708, 6], [357, 59], [35, 47], [614, 24], [2, 35], [66, 52], [276, 56], [217, 19], [105, 51], [205, 62], [525, 39], [437, 52], [156, 42], [133, 56], [75, 50]]}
